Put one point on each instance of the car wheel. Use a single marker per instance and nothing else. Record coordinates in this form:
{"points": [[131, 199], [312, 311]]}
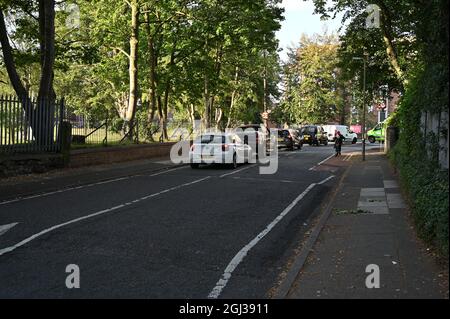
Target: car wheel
{"points": [[355, 140], [372, 139], [195, 166]]}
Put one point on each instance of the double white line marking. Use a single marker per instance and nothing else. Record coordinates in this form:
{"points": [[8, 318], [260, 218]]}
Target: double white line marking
{"points": [[348, 157]]}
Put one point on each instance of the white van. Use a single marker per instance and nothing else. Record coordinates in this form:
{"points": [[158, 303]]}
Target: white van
{"points": [[331, 130]]}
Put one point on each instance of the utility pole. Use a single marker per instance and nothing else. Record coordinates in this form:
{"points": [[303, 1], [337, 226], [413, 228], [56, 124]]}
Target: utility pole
{"points": [[364, 107], [265, 84], [385, 111], [387, 100]]}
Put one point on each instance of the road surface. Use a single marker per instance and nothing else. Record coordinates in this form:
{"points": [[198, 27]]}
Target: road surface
{"points": [[178, 233]]}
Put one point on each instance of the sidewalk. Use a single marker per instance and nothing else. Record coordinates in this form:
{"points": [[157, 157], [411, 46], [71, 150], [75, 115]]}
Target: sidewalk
{"points": [[369, 224]]}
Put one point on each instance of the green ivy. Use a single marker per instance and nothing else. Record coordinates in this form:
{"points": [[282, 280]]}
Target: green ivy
{"points": [[422, 178]]}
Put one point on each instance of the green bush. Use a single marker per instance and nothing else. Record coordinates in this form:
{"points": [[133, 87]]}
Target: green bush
{"points": [[416, 155], [422, 178]]}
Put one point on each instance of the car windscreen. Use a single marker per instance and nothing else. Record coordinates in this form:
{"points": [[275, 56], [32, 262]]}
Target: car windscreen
{"points": [[309, 130], [211, 139]]}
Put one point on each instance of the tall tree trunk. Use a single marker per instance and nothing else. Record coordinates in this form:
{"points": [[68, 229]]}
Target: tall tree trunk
{"points": [[192, 115], [9, 60], [218, 68], [219, 116], [165, 105], [212, 113], [162, 119], [47, 43], [165, 108], [152, 77], [233, 96], [207, 118], [133, 67], [386, 29], [47, 51], [46, 94]]}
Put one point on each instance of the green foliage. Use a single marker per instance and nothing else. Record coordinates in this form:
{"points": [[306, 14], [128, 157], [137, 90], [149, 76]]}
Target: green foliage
{"points": [[186, 41], [409, 53], [425, 181], [311, 81]]}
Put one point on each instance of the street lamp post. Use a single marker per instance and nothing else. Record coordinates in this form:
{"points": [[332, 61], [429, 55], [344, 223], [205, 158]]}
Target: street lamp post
{"points": [[265, 120], [364, 107]]}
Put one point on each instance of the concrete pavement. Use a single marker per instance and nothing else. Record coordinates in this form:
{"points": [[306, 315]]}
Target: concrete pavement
{"points": [[369, 225]]}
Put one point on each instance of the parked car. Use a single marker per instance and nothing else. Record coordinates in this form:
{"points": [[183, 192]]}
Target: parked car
{"points": [[261, 134], [377, 134], [289, 139], [219, 148], [313, 135], [348, 135]]}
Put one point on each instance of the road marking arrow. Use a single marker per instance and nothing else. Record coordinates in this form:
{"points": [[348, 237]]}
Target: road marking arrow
{"points": [[5, 228]]}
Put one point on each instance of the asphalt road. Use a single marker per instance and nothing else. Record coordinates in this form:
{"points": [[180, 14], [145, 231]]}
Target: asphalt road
{"points": [[179, 233]]}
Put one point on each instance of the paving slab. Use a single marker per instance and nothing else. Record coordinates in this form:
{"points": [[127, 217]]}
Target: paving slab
{"points": [[350, 241]]}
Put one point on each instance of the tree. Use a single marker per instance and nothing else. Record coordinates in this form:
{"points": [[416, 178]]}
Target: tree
{"points": [[311, 80], [46, 39], [193, 59], [46, 94], [397, 29]]}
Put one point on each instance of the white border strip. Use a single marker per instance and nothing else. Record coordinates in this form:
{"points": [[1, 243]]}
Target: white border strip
{"points": [[48, 230], [239, 257]]}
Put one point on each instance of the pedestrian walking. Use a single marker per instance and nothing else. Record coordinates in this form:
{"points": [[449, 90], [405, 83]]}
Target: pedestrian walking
{"points": [[339, 140]]}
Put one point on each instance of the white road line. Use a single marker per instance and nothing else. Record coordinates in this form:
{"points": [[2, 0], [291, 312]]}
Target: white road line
{"points": [[48, 230], [325, 160], [83, 186], [349, 157], [326, 180], [5, 228], [239, 257], [238, 171], [168, 171], [319, 164], [264, 180]]}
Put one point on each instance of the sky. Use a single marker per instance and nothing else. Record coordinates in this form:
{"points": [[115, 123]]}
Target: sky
{"points": [[299, 18]]}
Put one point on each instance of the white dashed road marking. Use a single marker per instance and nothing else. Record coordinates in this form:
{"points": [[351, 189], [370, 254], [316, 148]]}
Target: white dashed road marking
{"points": [[238, 171], [48, 230], [5, 228], [84, 186]]}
